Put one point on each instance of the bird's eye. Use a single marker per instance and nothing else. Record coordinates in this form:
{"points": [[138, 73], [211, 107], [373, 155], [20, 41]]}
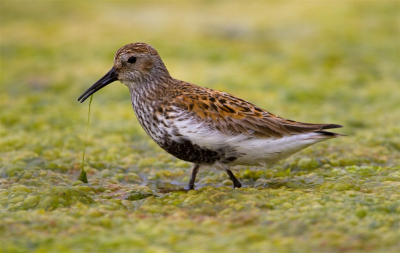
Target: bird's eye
{"points": [[132, 59]]}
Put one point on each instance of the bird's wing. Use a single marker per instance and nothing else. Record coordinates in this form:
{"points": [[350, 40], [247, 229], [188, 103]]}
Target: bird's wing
{"points": [[234, 116]]}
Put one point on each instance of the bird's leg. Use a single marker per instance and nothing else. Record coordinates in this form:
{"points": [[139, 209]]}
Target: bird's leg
{"points": [[236, 183], [195, 169]]}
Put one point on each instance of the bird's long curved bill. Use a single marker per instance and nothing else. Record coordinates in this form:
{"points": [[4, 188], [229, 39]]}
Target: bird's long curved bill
{"points": [[108, 78]]}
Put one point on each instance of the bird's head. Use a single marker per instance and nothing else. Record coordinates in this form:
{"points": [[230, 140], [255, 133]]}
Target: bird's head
{"points": [[134, 63]]}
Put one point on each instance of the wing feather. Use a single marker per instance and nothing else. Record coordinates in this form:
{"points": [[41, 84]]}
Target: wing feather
{"points": [[235, 116]]}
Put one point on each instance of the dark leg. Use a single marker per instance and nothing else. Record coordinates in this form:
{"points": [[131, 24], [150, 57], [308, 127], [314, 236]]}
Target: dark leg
{"points": [[195, 169], [236, 183]]}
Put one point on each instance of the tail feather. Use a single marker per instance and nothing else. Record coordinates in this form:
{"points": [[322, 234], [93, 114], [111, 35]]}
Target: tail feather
{"points": [[309, 128], [329, 126], [325, 135]]}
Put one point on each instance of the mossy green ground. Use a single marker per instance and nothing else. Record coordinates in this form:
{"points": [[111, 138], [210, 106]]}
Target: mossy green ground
{"points": [[322, 62]]}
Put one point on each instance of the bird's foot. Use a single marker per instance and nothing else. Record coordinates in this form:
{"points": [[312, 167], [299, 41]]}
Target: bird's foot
{"points": [[236, 182], [189, 187]]}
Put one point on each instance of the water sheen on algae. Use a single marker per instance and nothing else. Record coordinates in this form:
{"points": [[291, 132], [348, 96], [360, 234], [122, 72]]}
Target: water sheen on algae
{"points": [[322, 63]]}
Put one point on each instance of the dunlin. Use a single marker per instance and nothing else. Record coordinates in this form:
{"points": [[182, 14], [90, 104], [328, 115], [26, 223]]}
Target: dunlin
{"points": [[200, 125]]}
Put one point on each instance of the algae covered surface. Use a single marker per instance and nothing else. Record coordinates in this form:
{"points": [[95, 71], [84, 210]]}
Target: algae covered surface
{"points": [[322, 62]]}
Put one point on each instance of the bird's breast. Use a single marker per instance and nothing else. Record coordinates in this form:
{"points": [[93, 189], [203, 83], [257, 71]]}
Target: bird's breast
{"points": [[153, 124], [162, 128]]}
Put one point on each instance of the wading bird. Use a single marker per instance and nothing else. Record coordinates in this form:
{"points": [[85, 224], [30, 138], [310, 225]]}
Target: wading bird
{"points": [[204, 126]]}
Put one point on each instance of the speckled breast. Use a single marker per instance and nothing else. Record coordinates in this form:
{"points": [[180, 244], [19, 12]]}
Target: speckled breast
{"points": [[167, 136]]}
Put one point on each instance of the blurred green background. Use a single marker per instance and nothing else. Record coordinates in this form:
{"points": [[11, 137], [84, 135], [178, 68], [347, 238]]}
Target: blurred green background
{"points": [[310, 61]]}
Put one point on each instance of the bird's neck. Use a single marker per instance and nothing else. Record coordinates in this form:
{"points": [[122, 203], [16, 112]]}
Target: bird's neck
{"points": [[149, 87]]}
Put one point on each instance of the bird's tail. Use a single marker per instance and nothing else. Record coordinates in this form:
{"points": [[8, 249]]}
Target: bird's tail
{"points": [[324, 135]]}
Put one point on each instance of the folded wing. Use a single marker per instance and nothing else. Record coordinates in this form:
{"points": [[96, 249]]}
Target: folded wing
{"points": [[234, 116]]}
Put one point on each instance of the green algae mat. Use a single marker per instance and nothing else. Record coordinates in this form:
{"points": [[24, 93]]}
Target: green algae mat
{"points": [[322, 62]]}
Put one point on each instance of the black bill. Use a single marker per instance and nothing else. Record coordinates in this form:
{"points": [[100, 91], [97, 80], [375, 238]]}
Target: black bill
{"points": [[108, 78]]}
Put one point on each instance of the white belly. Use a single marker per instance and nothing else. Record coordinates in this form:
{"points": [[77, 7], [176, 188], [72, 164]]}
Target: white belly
{"points": [[249, 150]]}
